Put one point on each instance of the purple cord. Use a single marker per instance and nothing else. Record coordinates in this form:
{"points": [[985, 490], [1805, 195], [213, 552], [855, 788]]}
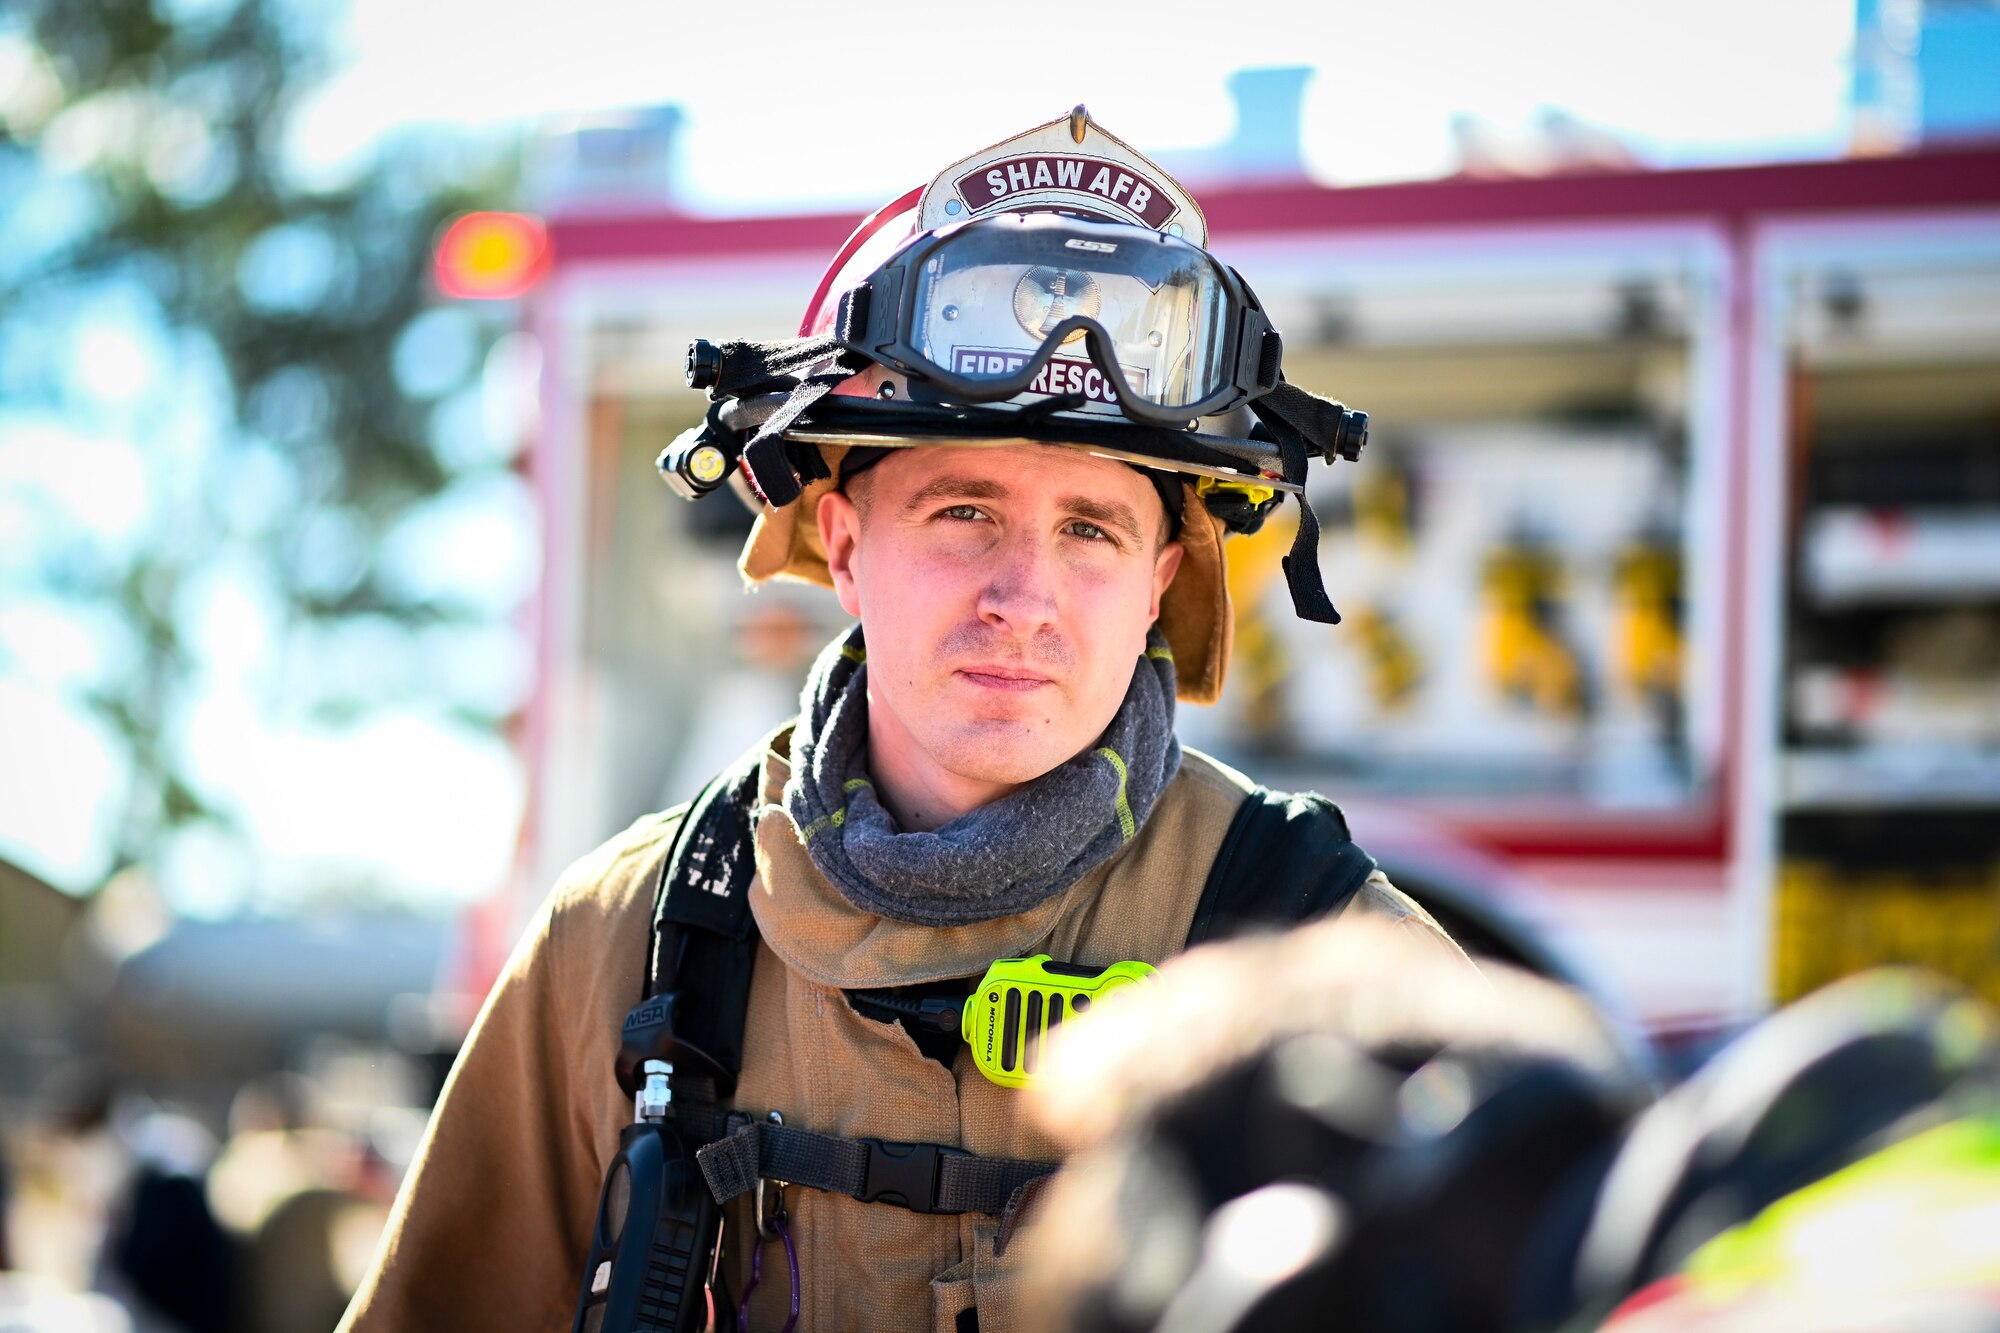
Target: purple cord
{"points": [[756, 1276], [782, 1226], [791, 1262]]}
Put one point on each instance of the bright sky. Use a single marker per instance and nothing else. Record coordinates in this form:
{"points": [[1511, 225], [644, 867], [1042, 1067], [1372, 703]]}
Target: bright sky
{"points": [[793, 104], [790, 106]]}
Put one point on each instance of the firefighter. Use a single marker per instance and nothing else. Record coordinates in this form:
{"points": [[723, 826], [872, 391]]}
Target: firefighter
{"points": [[1025, 407]]}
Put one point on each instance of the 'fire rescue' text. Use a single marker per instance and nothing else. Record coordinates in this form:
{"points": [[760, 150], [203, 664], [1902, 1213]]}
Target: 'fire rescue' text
{"points": [[1061, 375]]}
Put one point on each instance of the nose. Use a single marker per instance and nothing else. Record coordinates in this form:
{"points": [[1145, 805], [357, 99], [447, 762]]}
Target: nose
{"points": [[1019, 595]]}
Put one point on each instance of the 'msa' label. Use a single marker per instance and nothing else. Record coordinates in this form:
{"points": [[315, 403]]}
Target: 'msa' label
{"points": [[1085, 176], [1062, 374]]}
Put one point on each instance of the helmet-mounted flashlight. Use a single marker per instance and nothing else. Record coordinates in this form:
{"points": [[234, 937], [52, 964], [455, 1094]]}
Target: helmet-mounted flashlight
{"points": [[704, 364], [693, 466]]}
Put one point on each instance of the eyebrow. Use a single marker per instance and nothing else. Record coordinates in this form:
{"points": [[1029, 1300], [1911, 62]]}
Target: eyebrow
{"points": [[954, 488], [1110, 513]]}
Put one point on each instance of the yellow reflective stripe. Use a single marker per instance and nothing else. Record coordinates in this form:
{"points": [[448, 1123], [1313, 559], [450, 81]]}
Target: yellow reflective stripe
{"points": [[822, 824], [1161, 654], [1125, 825], [838, 817], [1936, 1185], [853, 654]]}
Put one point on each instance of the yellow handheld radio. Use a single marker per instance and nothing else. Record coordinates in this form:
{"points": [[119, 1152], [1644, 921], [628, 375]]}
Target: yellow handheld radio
{"points": [[1019, 1000]]}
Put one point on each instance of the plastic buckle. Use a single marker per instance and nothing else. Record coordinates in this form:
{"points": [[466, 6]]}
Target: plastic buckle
{"points": [[905, 1174]]}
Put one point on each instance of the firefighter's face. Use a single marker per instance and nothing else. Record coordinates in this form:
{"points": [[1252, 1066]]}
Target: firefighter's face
{"points": [[1005, 595]]}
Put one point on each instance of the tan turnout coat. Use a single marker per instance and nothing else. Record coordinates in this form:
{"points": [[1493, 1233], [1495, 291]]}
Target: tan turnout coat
{"points": [[489, 1232]]}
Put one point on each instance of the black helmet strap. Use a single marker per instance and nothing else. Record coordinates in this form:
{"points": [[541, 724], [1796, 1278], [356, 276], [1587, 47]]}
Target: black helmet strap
{"points": [[1301, 563], [807, 369]]}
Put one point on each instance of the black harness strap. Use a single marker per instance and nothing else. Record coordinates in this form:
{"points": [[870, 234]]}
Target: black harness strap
{"points": [[704, 946], [922, 1177]]}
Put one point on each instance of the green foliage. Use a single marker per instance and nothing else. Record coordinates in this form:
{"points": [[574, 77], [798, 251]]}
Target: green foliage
{"points": [[160, 140]]}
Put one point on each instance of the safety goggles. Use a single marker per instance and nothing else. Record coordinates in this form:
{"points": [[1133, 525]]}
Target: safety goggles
{"points": [[1105, 316]]}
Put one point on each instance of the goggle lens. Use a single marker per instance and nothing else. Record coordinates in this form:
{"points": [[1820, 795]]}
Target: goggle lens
{"points": [[987, 301]]}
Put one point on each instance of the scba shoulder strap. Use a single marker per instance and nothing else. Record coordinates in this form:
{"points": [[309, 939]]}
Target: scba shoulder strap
{"points": [[1286, 859], [698, 969]]}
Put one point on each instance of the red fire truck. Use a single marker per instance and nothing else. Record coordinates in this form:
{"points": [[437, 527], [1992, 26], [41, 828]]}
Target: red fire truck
{"points": [[1672, 572]]}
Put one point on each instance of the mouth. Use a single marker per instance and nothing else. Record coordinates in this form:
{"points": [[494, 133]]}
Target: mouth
{"points": [[1003, 678]]}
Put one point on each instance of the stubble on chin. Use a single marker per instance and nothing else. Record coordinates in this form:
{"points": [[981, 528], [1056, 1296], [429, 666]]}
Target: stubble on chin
{"points": [[1009, 751]]}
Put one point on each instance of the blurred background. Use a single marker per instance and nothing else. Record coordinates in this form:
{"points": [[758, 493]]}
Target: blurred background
{"points": [[340, 607]]}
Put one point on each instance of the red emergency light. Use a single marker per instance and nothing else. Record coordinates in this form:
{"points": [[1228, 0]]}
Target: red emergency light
{"points": [[491, 256]]}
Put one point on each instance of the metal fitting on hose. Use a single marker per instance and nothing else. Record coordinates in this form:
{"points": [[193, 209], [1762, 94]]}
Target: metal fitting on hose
{"points": [[657, 1095]]}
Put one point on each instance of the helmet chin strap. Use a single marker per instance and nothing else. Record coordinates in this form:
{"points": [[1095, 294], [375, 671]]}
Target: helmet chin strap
{"points": [[779, 472], [1302, 574], [1300, 422]]}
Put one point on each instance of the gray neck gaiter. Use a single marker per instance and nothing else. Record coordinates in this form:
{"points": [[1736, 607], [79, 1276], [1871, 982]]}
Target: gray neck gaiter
{"points": [[1000, 859]]}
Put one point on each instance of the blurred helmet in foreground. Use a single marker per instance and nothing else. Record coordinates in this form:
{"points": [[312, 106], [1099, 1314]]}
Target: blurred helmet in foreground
{"points": [[1333, 1129]]}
